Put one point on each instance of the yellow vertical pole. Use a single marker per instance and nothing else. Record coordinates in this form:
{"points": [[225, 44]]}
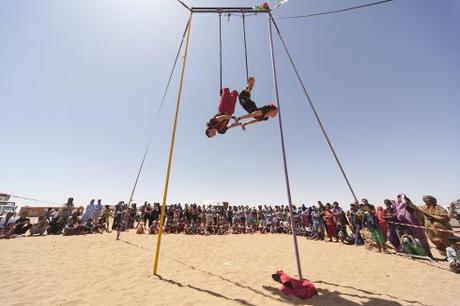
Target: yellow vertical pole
{"points": [[171, 151]]}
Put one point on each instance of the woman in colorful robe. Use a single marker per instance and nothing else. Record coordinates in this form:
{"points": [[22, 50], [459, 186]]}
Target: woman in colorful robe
{"points": [[436, 219]]}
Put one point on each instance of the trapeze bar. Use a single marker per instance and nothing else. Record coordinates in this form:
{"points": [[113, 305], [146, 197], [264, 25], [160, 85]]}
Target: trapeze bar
{"points": [[225, 10]]}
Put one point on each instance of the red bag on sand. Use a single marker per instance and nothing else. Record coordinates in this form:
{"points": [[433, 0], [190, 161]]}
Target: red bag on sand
{"points": [[303, 288]]}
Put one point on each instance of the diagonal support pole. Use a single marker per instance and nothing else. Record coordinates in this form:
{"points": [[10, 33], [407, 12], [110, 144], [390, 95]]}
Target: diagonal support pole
{"points": [[283, 148], [171, 151], [147, 148], [310, 102]]}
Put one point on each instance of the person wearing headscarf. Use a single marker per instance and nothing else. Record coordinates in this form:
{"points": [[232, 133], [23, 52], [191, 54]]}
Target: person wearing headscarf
{"points": [[67, 210], [39, 228], [330, 223], [408, 213], [89, 212], [390, 217], [380, 215], [436, 218]]}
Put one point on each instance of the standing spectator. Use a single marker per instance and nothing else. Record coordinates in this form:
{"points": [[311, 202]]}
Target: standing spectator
{"points": [[356, 223], [117, 216], [436, 219], [371, 223], [68, 209], [105, 218], [340, 221], [306, 217], [89, 211], [329, 221], [316, 222], [382, 222], [390, 216], [229, 214], [322, 226], [97, 210]]}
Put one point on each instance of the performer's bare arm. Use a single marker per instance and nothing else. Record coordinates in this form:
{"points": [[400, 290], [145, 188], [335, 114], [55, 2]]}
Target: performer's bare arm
{"points": [[244, 125]]}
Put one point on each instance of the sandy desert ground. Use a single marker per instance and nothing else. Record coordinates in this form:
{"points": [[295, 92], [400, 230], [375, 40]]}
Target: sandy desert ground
{"points": [[210, 270]]}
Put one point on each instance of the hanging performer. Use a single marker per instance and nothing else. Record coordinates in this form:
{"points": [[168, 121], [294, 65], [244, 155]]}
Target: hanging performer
{"points": [[258, 114], [220, 122]]}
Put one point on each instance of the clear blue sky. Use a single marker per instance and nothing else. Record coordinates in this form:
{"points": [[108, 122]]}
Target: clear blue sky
{"points": [[81, 80]]}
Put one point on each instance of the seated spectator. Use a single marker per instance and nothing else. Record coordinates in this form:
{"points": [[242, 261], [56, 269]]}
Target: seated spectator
{"points": [[22, 225], [57, 223], [39, 228], [7, 226], [93, 228], [74, 226], [140, 229], [411, 245], [453, 254], [153, 229], [407, 213]]}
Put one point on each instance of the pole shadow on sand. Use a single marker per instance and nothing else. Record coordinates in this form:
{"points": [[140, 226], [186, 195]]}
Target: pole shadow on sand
{"points": [[230, 281], [326, 297], [210, 292], [371, 293]]}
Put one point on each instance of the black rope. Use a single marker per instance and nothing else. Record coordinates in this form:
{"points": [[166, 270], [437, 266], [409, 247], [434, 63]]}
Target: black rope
{"points": [[220, 52], [147, 148], [138, 174], [335, 11], [245, 48], [172, 69], [314, 110]]}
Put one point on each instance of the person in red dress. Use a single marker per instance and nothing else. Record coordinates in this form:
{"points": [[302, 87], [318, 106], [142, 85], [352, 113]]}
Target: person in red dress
{"points": [[330, 223], [226, 109], [380, 214]]}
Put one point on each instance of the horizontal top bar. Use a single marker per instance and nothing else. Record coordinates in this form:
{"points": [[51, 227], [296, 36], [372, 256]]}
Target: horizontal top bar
{"points": [[226, 10]]}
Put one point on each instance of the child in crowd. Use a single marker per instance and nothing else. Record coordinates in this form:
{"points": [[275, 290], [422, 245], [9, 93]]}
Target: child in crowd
{"points": [[411, 245], [371, 223], [140, 229], [453, 254], [330, 223]]}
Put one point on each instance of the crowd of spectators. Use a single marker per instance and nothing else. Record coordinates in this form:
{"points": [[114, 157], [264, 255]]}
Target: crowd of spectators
{"points": [[397, 226], [67, 220]]}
